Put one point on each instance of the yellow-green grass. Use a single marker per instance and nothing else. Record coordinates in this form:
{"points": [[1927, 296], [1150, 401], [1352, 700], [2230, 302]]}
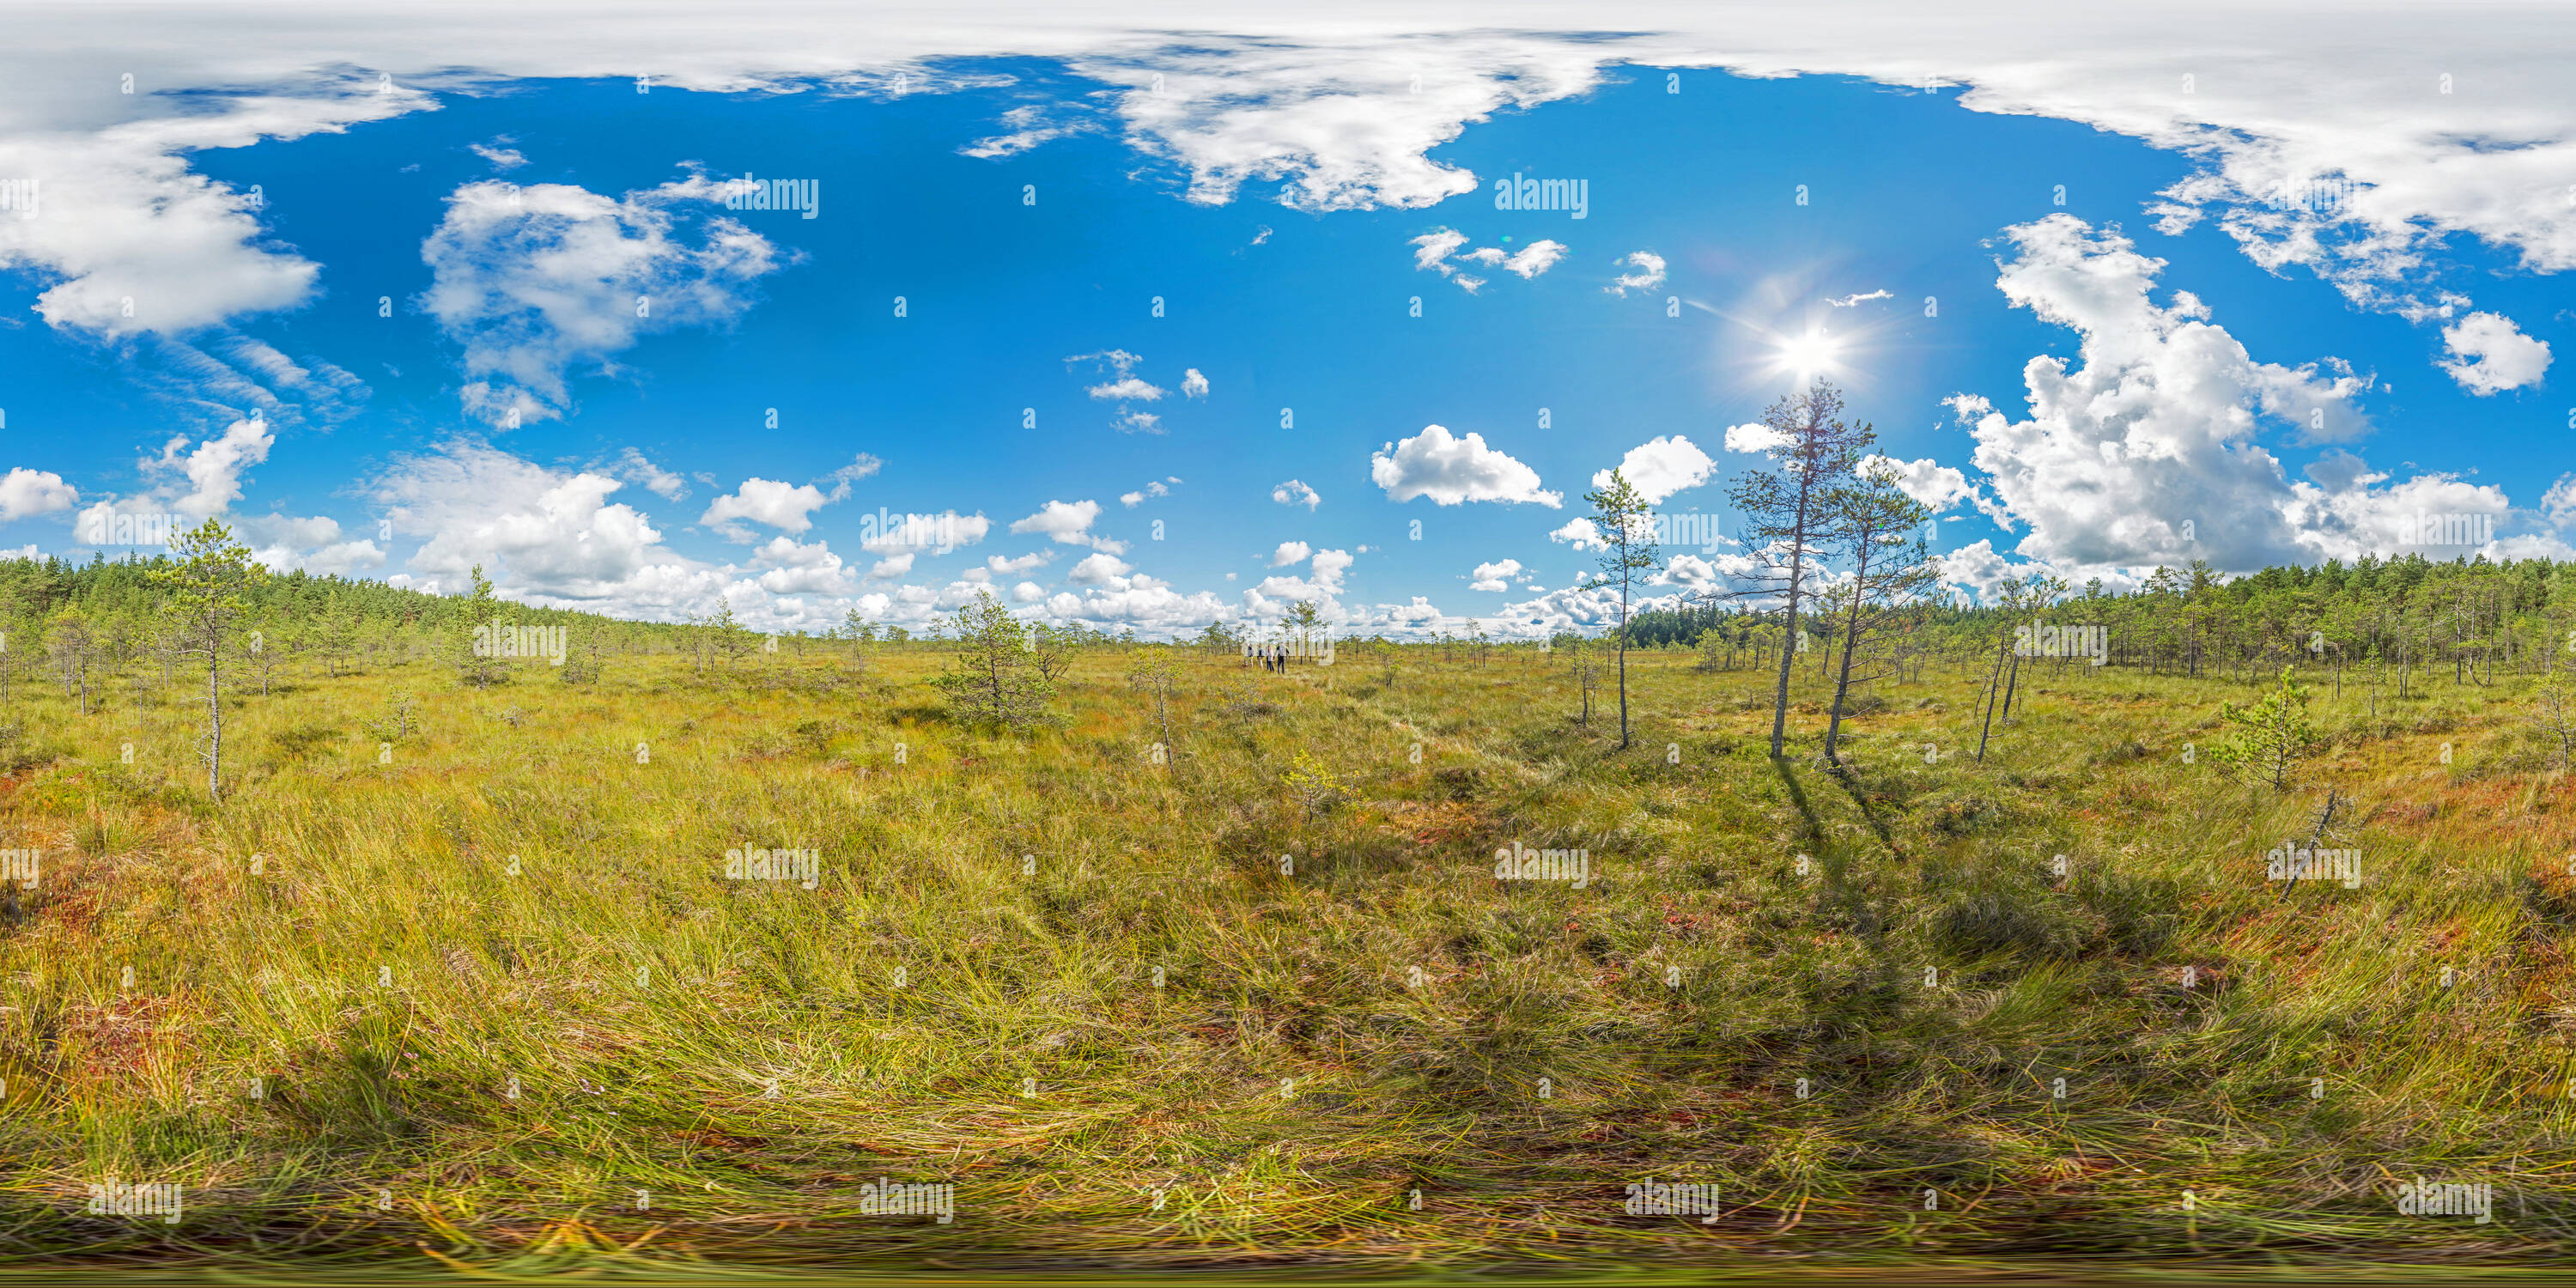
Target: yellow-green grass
{"points": [[970, 994]]}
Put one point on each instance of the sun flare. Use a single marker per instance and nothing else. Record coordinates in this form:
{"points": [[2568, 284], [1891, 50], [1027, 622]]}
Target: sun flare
{"points": [[1806, 356]]}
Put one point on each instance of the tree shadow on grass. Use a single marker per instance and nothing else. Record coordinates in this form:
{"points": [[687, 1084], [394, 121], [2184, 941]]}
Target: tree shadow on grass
{"points": [[1868, 919], [1798, 797], [1852, 787]]}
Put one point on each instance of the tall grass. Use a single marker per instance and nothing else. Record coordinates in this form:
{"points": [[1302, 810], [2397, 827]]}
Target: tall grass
{"points": [[1080, 987]]}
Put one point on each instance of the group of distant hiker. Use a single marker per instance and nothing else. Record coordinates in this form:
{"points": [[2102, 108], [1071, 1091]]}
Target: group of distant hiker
{"points": [[1273, 657]]}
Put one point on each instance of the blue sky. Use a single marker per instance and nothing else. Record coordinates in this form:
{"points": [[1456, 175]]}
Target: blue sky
{"points": [[2296, 412]]}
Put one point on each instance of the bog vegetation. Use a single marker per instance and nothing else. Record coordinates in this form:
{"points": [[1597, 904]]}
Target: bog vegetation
{"points": [[376, 944]]}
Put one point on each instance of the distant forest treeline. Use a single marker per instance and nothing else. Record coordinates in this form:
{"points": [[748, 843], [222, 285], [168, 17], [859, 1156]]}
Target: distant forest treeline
{"points": [[2466, 613], [106, 596]]}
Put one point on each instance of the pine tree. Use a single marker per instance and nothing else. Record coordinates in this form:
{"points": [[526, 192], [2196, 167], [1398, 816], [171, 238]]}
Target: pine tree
{"points": [[338, 635], [1051, 649], [1788, 521], [1873, 520], [477, 655], [992, 680], [1303, 624], [1628, 547], [1154, 670], [2033, 594], [1218, 638], [2269, 738], [1712, 652], [74, 651], [209, 577], [1316, 785], [726, 634]]}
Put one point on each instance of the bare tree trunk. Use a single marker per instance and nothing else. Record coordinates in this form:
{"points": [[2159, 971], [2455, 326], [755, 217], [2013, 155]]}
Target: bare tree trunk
{"points": [[214, 718], [1851, 645], [1624, 577], [1788, 653], [1993, 686]]}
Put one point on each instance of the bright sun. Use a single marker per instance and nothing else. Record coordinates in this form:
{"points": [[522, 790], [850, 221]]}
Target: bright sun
{"points": [[1805, 355]]}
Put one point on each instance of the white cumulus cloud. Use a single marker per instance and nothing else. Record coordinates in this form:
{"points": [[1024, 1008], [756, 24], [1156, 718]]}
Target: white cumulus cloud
{"points": [[1580, 533], [536, 280], [500, 154], [2147, 448], [288, 543], [786, 507], [1529, 261], [26, 493], [1069, 523], [1433, 251], [1328, 567], [1937, 486], [1159, 487], [1452, 470], [1098, 570], [2489, 354], [208, 478], [1660, 467], [633, 467], [1649, 273], [1753, 437], [548, 536]]}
